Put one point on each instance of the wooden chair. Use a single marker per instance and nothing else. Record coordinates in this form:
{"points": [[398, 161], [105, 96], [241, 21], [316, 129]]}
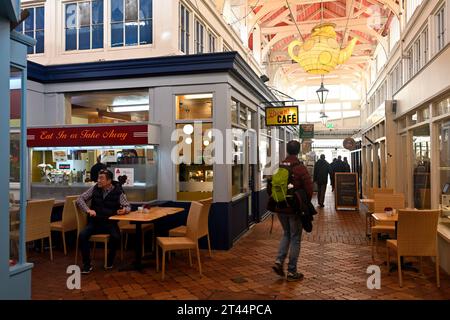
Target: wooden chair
{"points": [[190, 241], [127, 228], [38, 217], [68, 222], [416, 237], [81, 224], [204, 220], [383, 200]]}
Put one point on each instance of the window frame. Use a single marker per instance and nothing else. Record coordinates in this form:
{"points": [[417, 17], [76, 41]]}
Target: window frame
{"points": [[440, 21], [124, 45], [212, 35], [21, 27], [199, 44], [184, 28], [78, 26]]}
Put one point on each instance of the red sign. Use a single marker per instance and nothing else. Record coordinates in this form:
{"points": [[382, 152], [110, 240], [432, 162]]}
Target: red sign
{"points": [[88, 136]]}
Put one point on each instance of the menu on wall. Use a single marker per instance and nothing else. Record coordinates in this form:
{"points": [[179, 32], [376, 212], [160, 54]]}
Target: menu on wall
{"points": [[346, 188]]}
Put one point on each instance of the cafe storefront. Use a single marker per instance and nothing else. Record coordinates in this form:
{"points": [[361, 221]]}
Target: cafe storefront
{"points": [[213, 138], [61, 158]]}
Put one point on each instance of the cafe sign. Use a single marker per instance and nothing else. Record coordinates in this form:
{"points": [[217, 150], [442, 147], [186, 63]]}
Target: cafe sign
{"points": [[281, 116], [71, 136]]}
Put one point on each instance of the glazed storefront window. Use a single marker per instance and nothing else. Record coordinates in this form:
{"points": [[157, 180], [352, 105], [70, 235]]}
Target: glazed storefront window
{"points": [[15, 84], [194, 106], [444, 154], [195, 176], [422, 165]]}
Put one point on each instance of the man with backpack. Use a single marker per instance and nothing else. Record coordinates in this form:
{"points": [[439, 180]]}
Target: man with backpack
{"points": [[291, 171]]}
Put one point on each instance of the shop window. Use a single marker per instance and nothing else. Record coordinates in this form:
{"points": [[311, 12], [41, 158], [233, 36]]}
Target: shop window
{"points": [[109, 106], [60, 171], [444, 156], [194, 106], [266, 156], [234, 112], [442, 107], [185, 35], [34, 28], [199, 37], [131, 22], [422, 165], [84, 25], [195, 175], [239, 162], [15, 83]]}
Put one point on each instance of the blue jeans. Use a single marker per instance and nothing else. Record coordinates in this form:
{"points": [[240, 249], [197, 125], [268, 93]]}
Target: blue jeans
{"points": [[292, 235]]}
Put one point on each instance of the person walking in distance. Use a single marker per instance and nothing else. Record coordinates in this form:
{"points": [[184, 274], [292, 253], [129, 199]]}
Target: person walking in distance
{"points": [[96, 169], [321, 172], [289, 219], [346, 165]]}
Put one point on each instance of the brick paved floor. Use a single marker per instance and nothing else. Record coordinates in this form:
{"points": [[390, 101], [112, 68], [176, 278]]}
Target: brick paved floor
{"points": [[333, 258]]}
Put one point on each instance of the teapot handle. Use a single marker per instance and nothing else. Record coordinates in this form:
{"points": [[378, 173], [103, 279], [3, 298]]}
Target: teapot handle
{"points": [[291, 48]]}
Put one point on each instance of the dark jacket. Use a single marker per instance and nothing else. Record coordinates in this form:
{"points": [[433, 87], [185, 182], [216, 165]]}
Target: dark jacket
{"points": [[108, 206], [305, 209], [301, 177], [321, 172]]}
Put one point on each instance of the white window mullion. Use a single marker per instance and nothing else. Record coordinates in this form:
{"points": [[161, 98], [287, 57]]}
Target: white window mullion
{"points": [[77, 24], [138, 24], [124, 21], [91, 27]]}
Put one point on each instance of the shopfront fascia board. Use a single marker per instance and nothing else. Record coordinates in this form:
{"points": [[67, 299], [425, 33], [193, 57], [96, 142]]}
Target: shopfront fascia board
{"points": [[94, 135]]}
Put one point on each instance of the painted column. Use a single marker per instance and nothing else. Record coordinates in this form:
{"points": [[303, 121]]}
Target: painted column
{"points": [[222, 121], [4, 156], [435, 164], [164, 112]]}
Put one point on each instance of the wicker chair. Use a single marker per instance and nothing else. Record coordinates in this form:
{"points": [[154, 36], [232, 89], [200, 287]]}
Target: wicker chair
{"points": [[81, 224], [382, 200], [38, 223], [416, 237], [370, 206], [68, 222], [190, 241], [204, 221]]}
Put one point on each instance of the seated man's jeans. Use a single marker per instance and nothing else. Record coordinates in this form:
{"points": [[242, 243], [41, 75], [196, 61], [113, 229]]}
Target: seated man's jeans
{"points": [[100, 227], [292, 234]]}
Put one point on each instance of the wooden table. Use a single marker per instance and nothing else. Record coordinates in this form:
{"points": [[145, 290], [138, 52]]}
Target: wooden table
{"points": [[383, 217], [138, 219]]}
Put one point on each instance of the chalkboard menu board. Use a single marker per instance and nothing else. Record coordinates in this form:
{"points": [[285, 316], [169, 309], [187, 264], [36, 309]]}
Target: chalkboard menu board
{"points": [[346, 190]]}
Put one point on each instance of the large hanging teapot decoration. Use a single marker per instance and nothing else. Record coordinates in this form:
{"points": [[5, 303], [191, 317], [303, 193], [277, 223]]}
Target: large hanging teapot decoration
{"points": [[321, 53]]}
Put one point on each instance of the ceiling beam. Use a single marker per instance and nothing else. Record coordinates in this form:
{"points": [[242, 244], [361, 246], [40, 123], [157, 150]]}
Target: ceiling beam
{"points": [[305, 27]]}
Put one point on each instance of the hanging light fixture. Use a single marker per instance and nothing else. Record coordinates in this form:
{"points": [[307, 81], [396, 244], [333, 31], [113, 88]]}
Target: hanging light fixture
{"points": [[322, 93], [323, 118], [321, 52]]}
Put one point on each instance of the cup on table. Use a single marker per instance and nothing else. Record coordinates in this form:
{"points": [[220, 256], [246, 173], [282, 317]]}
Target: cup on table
{"points": [[389, 211], [140, 209], [146, 211]]}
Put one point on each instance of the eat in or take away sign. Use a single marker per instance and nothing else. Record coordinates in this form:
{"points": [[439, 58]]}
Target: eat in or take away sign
{"points": [[281, 116]]}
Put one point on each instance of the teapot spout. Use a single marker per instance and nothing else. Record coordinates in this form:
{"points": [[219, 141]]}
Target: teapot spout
{"points": [[346, 53]]}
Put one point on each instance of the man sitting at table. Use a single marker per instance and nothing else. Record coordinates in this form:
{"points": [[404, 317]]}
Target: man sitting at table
{"points": [[107, 199]]}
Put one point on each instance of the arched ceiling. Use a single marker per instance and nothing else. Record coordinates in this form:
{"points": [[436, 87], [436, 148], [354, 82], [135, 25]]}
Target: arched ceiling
{"points": [[273, 24]]}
